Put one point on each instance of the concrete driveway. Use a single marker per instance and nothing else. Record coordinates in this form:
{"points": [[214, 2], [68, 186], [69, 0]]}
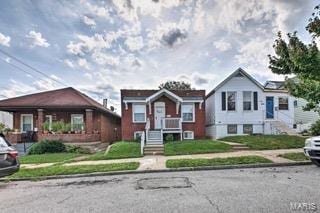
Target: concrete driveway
{"points": [[245, 190]]}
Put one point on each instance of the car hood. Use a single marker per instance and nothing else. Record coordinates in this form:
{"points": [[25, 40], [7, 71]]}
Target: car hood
{"points": [[315, 138]]}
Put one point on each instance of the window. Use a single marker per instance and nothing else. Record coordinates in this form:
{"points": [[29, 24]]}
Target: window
{"points": [[77, 123], [231, 101], [247, 129], [187, 111], [26, 122], [188, 135], [283, 103], [49, 121], [232, 129], [139, 113], [295, 103], [137, 135], [247, 97]]}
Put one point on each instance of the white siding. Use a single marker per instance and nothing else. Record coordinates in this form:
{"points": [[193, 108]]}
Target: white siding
{"points": [[302, 118], [239, 84], [285, 116]]}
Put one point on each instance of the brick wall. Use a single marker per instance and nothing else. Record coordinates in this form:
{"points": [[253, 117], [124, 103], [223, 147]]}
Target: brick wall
{"points": [[128, 127]]}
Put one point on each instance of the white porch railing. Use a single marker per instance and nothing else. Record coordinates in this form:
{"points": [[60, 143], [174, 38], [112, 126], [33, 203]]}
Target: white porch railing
{"points": [[171, 123], [142, 142]]}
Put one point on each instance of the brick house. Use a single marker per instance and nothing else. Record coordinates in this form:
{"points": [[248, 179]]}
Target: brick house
{"points": [[162, 112], [88, 120]]}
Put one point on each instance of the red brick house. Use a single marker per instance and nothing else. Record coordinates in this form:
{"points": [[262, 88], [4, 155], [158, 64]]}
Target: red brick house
{"points": [[162, 112], [88, 120]]}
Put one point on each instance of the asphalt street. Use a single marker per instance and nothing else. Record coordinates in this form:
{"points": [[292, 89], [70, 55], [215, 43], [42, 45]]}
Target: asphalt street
{"points": [[238, 190]]}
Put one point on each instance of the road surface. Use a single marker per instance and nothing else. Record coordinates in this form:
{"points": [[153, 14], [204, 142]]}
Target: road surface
{"points": [[239, 190]]}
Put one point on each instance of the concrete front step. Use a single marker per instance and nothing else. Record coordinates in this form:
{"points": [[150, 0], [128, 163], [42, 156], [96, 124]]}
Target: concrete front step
{"points": [[153, 149]]}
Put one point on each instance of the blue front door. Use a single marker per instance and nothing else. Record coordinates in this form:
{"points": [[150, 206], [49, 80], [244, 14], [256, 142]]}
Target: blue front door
{"points": [[269, 111]]}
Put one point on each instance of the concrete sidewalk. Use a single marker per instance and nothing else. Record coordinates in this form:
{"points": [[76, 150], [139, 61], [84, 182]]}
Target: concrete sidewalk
{"points": [[159, 162]]}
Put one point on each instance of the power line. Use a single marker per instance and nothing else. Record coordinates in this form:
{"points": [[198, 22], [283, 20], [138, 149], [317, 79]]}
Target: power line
{"points": [[32, 68], [22, 70]]}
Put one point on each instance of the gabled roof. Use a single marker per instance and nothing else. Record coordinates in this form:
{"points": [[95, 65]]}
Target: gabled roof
{"points": [[57, 99], [239, 72], [132, 95], [165, 92]]}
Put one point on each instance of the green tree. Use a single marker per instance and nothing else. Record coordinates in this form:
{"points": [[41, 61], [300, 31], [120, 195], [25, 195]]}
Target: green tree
{"points": [[175, 85], [302, 60]]}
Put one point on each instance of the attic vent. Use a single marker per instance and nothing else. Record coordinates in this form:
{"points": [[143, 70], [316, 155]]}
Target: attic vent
{"points": [[239, 74]]}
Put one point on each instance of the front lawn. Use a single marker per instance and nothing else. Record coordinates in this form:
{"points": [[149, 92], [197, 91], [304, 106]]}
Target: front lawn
{"points": [[194, 147], [297, 156], [261, 142], [68, 170], [119, 150], [48, 158], [216, 161]]}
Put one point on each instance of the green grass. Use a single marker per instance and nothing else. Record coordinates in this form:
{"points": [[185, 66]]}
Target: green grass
{"points": [[119, 150], [68, 170], [297, 156], [263, 142], [216, 161], [194, 147], [48, 158]]}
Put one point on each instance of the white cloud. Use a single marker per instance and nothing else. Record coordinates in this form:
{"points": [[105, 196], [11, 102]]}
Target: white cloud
{"points": [[105, 59], [83, 63], [89, 21], [87, 44], [134, 43], [5, 40], [98, 11], [222, 45], [37, 39], [69, 63]]}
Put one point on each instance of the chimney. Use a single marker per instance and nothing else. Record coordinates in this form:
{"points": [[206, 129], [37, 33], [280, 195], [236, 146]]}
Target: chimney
{"points": [[105, 102]]}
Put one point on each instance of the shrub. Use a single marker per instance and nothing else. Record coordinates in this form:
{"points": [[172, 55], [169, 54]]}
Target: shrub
{"points": [[315, 128], [67, 127], [47, 146], [46, 126], [169, 137], [76, 149], [2, 127], [57, 126]]}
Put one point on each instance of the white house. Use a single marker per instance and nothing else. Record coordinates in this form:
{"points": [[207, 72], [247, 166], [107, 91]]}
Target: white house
{"points": [[241, 105]]}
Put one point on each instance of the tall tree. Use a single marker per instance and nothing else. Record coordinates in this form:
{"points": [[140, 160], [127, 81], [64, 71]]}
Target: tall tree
{"points": [[302, 60], [175, 85]]}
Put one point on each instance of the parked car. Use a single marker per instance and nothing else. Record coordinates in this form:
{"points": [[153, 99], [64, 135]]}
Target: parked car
{"points": [[9, 162], [312, 149]]}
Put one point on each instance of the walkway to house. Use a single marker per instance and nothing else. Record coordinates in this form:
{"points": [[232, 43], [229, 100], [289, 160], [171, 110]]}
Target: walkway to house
{"points": [[150, 162]]}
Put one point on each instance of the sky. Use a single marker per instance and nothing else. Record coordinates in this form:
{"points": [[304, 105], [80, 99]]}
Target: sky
{"points": [[100, 47]]}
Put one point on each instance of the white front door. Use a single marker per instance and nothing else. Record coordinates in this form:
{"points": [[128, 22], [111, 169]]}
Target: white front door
{"points": [[159, 114]]}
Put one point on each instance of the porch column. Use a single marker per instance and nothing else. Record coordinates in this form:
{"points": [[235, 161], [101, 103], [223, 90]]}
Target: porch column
{"points": [[40, 121], [89, 121]]}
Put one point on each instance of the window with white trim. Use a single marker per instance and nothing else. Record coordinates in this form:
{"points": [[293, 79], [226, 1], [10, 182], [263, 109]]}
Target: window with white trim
{"points": [[188, 135], [137, 135], [77, 122], [231, 101], [187, 111], [139, 113], [247, 129], [232, 129], [247, 100], [283, 103], [26, 122]]}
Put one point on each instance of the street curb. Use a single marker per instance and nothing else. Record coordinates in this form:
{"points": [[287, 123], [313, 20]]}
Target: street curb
{"points": [[182, 169]]}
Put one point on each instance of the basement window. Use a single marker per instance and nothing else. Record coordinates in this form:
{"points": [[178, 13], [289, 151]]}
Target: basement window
{"points": [[137, 135], [188, 135], [232, 129]]}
